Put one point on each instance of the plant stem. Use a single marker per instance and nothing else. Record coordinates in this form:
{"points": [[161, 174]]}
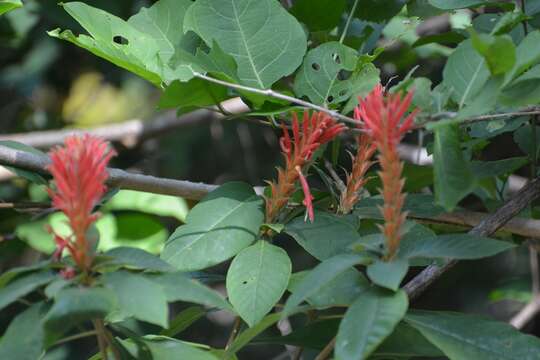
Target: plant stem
{"points": [[325, 353], [75, 337], [100, 334], [278, 95], [348, 23], [234, 332]]}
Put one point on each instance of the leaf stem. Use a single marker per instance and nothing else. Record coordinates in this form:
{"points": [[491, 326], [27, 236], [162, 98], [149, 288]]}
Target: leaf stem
{"points": [[325, 353], [348, 23], [234, 332], [76, 337], [99, 331]]}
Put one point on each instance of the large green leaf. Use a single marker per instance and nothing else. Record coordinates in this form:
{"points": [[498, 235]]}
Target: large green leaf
{"points": [[486, 169], [462, 336], [165, 348], [137, 259], [8, 5], [342, 290], [319, 15], [527, 54], [226, 221], [368, 321], [178, 287], [76, 305], [388, 274], [327, 236], [23, 339], [321, 276], [453, 246], [465, 72], [456, 4], [318, 77], [406, 342], [144, 44], [453, 175], [265, 40], [256, 280], [524, 90], [24, 285], [138, 297]]}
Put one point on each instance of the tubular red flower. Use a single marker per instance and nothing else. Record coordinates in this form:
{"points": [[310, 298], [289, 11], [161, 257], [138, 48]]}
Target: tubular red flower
{"points": [[316, 130], [382, 115], [79, 172], [308, 198]]}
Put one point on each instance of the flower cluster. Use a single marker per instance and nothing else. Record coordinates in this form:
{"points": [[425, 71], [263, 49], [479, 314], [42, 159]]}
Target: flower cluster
{"points": [[79, 172], [315, 130], [382, 115]]}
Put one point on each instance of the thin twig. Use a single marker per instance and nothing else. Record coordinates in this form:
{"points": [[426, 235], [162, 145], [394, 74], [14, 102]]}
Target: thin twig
{"points": [[234, 332], [348, 23], [525, 315], [25, 205], [75, 337], [102, 343], [486, 227], [325, 353]]}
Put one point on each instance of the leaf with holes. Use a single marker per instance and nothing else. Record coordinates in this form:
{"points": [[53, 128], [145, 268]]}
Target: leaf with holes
{"points": [[462, 336], [369, 320], [321, 76], [264, 39], [226, 221], [143, 45], [256, 280]]}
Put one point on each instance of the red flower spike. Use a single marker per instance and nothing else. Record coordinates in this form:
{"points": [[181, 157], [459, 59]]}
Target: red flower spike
{"points": [[317, 129], [308, 198], [382, 115], [79, 172]]}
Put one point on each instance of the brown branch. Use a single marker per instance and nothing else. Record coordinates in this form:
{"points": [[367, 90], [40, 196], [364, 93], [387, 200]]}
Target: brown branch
{"points": [[486, 227], [525, 315]]}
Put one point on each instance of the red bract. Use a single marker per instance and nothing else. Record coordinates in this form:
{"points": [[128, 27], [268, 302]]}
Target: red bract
{"points": [[318, 129], [382, 115], [79, 172]]}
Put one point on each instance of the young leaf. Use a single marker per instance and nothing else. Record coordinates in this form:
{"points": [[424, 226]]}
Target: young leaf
{"points": [[76, 305], [369, 320], [321, 276], [318, 77], [24, 285], [453, 176], [327, 236], [226, 221], [499, 52], [265, 40], [8, 5], [256, 280], [23, 339], [388, 274], [138, 297], [178, 287], [462, 336], [453, 246]]}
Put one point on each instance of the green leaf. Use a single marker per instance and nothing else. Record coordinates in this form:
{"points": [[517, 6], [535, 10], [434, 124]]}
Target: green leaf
{"points": [[10, 274], [136, 230], [462, 336], [226, 221], [453, 246], [256, 280], [314, 335], [486, 169], [24, 285], [137, 259], [196, 92], [527, 55], [342, 290], [327, 236], [178, 287], [456, 4], [8, 5], [362, 81], [318, 77], [523, 91], [522, 138], [447, 38], [320, 276], [76, 305], [183, 320], [26, 174], [421, 205], [265, 40], [465, 72], [138, 297], [405, 342], [388, 274], [23, 339], [368, 321], [453, 176], [156, 204], [319, 15], [165, 348], [499, 52]]}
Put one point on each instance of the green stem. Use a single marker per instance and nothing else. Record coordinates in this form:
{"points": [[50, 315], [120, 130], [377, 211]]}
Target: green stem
{"points": [[348, 23], [75, 337]]}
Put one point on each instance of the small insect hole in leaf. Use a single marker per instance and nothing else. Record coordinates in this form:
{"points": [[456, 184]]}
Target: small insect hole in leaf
{"points": [[343, 75], [244, 282], [336, 58], [119, 39], [315, 66], [330, 99]]}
